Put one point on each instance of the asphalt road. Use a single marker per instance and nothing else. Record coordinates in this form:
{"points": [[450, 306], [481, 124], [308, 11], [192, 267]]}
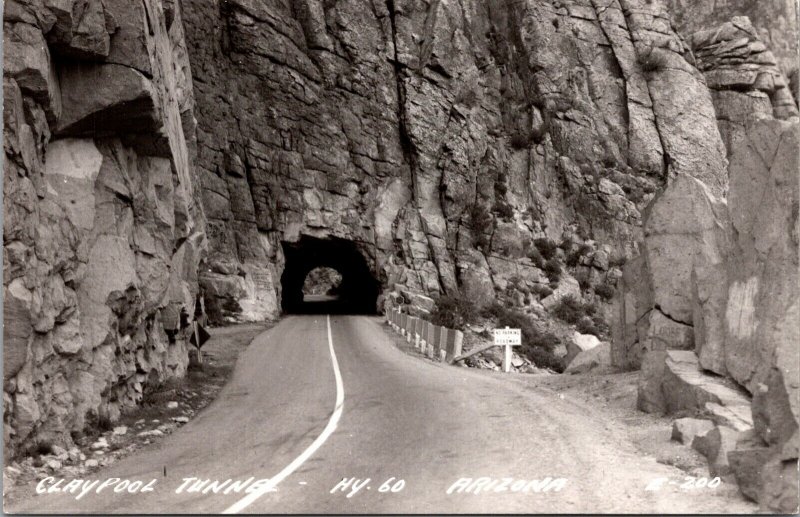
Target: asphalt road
{"points": [[400, 417]]}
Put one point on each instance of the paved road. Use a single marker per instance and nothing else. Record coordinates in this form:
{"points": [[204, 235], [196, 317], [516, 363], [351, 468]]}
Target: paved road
{"points": [[402, 417]]}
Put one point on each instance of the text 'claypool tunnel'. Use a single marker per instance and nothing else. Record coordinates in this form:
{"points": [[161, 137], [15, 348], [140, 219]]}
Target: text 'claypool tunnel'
{"points": [[356, 294]]}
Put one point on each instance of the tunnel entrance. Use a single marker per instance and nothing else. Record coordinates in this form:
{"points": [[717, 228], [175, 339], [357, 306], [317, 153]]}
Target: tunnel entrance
{"points": [[356, 293]]}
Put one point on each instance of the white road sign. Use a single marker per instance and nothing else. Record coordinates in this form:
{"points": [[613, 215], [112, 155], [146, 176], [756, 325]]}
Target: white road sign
{"points": [[508, 336]]}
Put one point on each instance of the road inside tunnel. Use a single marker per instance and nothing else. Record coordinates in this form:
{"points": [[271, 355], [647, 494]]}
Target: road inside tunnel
{"points": [[356, 294]]}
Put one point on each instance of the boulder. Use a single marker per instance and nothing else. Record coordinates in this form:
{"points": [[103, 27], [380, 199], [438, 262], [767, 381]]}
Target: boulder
{"points": [[579, 343], [779, 481], [746, 462], [685, 228], [672, 381], [685, 430], [684, 225], [596, 360], [715, 444]]}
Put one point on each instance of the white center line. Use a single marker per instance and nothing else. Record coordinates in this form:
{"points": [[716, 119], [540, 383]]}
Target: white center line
{"points": [[329, 429]]}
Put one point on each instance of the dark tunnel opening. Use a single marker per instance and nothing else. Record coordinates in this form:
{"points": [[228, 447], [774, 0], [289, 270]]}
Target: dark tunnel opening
{"points": [[356, 294]]}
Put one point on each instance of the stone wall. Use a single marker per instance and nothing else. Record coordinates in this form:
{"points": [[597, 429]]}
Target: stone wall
{"points": [[102, 232], [441, 138]]}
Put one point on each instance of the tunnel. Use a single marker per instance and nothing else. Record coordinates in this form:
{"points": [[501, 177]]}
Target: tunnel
{"points": [[357, 293]]}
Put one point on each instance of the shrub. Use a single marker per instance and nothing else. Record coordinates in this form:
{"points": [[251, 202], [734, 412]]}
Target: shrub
{"points": [[570, 309], [503, 210], [536, 257], [604, 291], [546, 247], [593, 325], [453, 312], [617, 260], [538, 346], [492, 310], [545, 359], [542, 291], [553, 270], [574, 258], [652, 59], [480, 224], [586, 326], [584, 279]]}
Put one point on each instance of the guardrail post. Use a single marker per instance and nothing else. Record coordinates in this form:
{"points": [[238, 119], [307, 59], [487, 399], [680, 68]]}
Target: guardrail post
{"points": [[441, 350], [455, 339], [412, 322], [440, 333]]}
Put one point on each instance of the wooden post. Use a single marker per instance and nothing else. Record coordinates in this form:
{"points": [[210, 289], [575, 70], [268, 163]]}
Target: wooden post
{"points": [[507, 358]]}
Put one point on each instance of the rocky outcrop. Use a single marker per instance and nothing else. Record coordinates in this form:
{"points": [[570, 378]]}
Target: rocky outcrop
{"points": [[441, 139], [727, 275], [102, 233], [686, 227], [775, 22], [762, 318], [744, 77]]}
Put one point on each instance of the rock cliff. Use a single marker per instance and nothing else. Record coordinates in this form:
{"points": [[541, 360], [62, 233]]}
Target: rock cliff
{"points": [[440, 138], [102, 231], [709, 306], [158, 150]]}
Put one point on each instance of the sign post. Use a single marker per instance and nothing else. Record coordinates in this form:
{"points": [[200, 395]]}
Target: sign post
{"points": [[507, 337]]}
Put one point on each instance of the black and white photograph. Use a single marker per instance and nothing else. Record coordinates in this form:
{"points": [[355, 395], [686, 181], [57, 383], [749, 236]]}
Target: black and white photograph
{"points": [[401, 257]]}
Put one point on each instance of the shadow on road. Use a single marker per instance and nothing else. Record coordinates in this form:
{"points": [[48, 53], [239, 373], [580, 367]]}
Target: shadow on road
{"points": [[329, 304]]}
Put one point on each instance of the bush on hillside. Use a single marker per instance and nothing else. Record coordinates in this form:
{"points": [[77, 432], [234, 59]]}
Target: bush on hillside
{"points": [[538, 346], [574, 258], [480, 225], [604, 291], [570, 310], [546, 247], [453, 312], [542, 291], [536, 257], [553, 270]]}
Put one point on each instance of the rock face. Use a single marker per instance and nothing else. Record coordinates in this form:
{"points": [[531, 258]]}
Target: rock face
{"points": [[762, 318], [685, 227], [724, 277], [102, 233], [419, 149], [775, 22], [440, 139], [744, 77]]}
